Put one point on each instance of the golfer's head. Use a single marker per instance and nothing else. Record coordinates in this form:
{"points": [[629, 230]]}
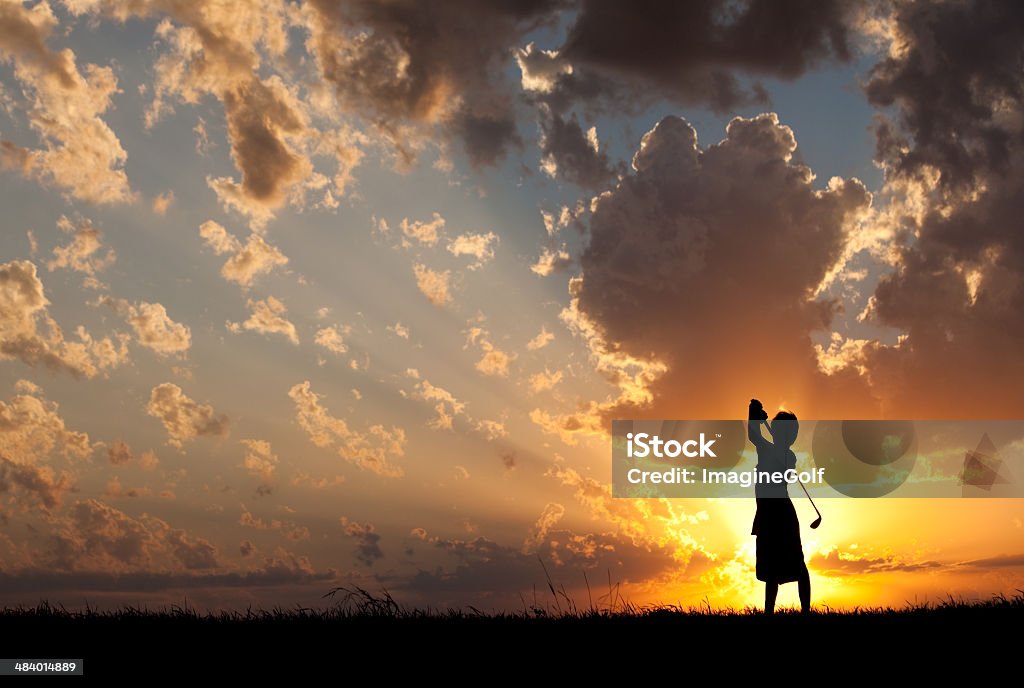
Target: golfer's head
{"points": [[785, 428]]}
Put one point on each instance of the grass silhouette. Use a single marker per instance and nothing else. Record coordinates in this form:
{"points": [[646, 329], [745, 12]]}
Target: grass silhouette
{"points": [[357, 624]]}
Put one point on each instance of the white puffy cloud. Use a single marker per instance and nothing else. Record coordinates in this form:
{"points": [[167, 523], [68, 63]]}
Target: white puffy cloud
{"points": [[82, 254], [435, 284], [399, 330], [545, 380], [331, 339], [260, 459], [247, 261], [372, 450], [29, 334], [267, 316], [493, 361], [425, 232], [542, 339], [183, 418], [552, 260], [154, 328], [79, 152], [479, 246]]}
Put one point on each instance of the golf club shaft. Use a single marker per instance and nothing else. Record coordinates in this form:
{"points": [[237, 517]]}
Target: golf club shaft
{"points": [[815, 506], [809, 497]]}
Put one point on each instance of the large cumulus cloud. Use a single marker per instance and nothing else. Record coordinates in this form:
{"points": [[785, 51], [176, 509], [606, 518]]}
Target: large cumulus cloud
{"points": [[697, 286]]}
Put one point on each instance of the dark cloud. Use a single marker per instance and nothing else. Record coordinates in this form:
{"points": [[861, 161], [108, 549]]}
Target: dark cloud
{"points": [[572, 154], [691, 52], [97, 534], [366, 539], [499, 573], [954, 151], [39, 481], [191, 551], [427, 63], [281, 569], [119, 453], [697, 286], [837, 563], [1013, 561]]}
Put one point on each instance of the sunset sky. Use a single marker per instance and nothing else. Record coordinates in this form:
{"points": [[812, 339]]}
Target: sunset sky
{"points": [[304, 294]]}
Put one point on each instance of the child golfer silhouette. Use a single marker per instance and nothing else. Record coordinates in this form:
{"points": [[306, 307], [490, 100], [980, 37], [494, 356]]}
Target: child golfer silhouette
{"points": [[780, 554]]}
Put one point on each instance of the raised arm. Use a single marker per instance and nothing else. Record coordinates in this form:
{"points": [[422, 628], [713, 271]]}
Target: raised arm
{"points": [[754, 433], [756, 415]]}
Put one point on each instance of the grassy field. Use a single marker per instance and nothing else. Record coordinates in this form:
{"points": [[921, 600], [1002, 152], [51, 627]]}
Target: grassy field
{"points": [[357, 625]]}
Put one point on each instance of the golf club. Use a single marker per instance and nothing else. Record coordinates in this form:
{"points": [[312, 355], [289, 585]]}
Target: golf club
{"points": [[816, 522]]}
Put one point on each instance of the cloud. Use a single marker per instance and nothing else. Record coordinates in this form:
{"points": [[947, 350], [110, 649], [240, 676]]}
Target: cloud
{"points": [[480, 246], [569, 153], [434, 284], [22, 310], [331, 339], [119, 453], [183, 418], [79, 153], [552, 260], [371, 451], [1013, 561], [733, 239], [548, 519], [417, 71], [494, 361], [82, 254], [367, 540], [504, 574], [162, 202], [691, 53], [267, 316], [426, 233], [95, 536], [545, 380], [248, 261], [215, 50], [154, 328], [31, 430], [509, 461], [951, 145], [837, 562], [446, 406], [542, 339], [399, 330], [283, 568], [260, 460], [491, 429], [41, 482]]}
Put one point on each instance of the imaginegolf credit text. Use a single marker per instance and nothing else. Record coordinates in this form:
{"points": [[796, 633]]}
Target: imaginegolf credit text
{"points": [[691, 476]]}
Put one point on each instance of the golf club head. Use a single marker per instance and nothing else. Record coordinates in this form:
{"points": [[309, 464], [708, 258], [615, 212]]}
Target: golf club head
{"points": [[815, 523]]}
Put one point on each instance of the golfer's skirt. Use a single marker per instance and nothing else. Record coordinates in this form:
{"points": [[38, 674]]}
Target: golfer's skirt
{"points": [[780, 555]]}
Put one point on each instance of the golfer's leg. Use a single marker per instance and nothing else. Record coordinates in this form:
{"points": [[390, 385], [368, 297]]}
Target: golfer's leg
{"points": [[804, 587], [771, 591]]}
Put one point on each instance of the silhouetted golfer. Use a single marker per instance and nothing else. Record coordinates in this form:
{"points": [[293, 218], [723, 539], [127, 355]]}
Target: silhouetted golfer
{"points": [[780, 555]]}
